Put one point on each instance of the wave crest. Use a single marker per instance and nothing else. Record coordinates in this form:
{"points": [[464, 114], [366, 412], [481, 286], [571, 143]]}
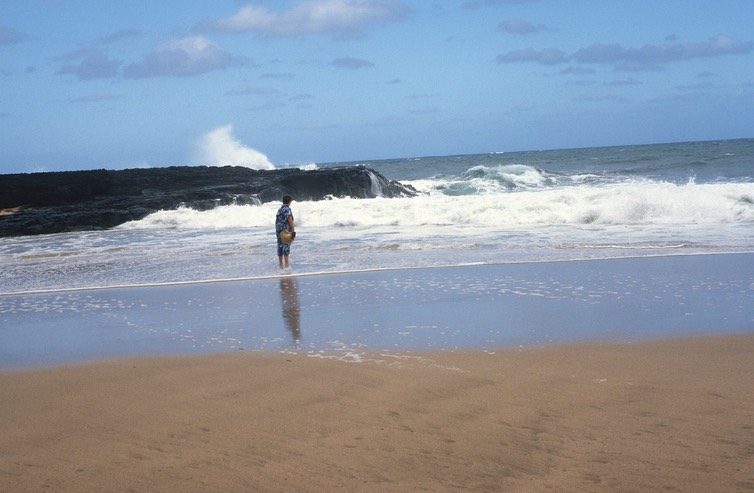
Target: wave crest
{"points": [[630, 203]]}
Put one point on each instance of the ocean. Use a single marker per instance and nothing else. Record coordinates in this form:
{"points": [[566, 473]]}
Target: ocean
{"points": [[505, 207], [616, 244]]}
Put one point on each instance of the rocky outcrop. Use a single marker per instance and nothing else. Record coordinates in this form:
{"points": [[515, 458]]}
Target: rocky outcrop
{"points": [[40, 203]]}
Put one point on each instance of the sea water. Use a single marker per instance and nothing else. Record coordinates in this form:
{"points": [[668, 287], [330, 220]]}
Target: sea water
{"points": [[519, 223], [537, 206]]}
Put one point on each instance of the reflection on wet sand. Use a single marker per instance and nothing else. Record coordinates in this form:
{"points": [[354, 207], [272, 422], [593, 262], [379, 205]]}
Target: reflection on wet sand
{"points": [[291, 307]]}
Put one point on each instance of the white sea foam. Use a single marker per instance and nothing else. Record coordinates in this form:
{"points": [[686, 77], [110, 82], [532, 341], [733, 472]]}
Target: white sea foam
{"points": [[630, 203], [220, 147]]}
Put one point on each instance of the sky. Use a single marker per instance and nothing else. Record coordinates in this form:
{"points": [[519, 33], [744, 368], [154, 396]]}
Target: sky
{"points": [[92, 84]]}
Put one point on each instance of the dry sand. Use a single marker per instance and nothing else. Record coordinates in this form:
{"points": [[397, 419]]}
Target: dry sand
{"points": [[659, 416]]}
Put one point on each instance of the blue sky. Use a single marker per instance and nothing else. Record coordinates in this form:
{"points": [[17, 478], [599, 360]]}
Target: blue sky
{"points": [[108, 84]]}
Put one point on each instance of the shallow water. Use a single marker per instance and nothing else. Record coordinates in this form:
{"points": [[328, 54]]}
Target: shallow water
{"points": [[477, 307]]}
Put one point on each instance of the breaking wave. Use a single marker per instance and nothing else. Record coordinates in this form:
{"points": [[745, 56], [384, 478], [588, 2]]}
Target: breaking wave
{"points": [[522, 198]]}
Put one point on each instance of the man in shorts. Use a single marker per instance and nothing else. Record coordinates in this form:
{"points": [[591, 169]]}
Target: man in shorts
{"points": [[284, 222]]}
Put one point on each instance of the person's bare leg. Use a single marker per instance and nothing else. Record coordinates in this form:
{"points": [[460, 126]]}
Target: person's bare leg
{"points": [[280, 260], [285, 259]]}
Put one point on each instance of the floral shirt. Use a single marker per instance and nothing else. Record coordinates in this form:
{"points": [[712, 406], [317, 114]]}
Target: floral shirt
{"points": [[281, 219]]}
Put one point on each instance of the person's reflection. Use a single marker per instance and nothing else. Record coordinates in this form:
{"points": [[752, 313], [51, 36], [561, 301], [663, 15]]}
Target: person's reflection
{"points": [[291, 308]]}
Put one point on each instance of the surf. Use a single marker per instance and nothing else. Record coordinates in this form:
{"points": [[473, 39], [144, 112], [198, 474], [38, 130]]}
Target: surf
{"points": [[634, 202]]}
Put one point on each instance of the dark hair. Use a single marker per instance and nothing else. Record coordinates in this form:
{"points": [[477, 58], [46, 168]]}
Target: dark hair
{"points": [[287, 199]]}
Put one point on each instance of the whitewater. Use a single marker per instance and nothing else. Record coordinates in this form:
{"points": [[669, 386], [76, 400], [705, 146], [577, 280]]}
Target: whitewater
{"points": [[540, 206]]}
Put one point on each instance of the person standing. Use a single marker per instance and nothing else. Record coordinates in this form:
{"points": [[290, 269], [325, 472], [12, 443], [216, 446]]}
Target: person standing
{"points": [[284, 222]]}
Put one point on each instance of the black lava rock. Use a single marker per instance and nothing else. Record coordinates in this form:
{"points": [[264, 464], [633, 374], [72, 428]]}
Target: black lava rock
{"points": [[40, 203]]}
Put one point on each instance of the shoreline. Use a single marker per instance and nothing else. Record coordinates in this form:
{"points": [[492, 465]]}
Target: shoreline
{"points": [[434, 309], [294, 274], [661, 415]]}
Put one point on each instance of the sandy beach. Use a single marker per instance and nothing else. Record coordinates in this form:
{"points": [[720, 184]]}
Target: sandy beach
{"points": [[658, 416], [620, 375]]}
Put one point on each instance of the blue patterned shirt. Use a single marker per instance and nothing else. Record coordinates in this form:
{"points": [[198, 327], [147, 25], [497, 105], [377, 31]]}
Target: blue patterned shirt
{"points": [[281, 219]]}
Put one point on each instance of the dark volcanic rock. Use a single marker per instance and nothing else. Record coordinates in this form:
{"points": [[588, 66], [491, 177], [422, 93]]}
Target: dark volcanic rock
{"points": [[39, 203]]}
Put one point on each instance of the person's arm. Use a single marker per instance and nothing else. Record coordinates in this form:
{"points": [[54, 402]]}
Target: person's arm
{"points": [[290, 224]]}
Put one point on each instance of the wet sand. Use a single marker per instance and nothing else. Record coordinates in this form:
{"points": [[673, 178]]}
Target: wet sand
{"points": [[674, 415]]}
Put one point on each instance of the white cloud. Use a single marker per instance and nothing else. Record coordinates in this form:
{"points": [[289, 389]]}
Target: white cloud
{"points": [[190, 55], [310, 16], [220, 148]]}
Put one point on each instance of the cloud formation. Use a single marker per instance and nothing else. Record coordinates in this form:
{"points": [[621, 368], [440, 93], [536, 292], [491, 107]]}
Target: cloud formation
{"points": [[95, 65], [220, 148], [648, 57], [522, 27], [10, 36], [548, 56], [190, 55], [310, 16], [120, 35], [252, 91], [351, 63]]}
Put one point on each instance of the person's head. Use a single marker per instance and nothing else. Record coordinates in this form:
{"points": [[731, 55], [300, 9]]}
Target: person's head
{"points": [[287, 199]]}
